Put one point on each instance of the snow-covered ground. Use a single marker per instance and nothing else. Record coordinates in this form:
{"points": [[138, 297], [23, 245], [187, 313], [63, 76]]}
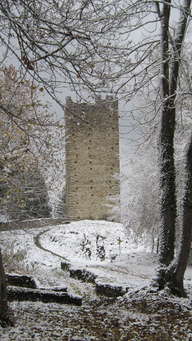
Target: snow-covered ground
{"points": [[100, 247], [97, 246]]}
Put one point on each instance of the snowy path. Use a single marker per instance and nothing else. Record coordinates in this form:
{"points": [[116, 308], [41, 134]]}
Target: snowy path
{"points": [[79, 244], [128, 270], [41, 253], [38, 244], [139, 315]]}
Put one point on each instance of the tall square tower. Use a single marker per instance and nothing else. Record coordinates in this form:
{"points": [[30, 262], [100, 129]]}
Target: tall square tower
{"points": [[92, 158]]}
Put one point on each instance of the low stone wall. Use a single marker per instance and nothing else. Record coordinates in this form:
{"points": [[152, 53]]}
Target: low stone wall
{"points": [[24, 288], [105, 289], [35, 223]]}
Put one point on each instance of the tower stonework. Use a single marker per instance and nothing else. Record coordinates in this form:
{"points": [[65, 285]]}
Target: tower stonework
{"points": [[92, 158]]}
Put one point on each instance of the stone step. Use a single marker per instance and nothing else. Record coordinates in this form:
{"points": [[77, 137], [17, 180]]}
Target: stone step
{"points": [[43, 295]]}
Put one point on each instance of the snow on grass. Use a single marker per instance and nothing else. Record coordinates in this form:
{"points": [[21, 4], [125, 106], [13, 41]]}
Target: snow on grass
{"points": [[104, 249], [99, 246], [83, 241]]}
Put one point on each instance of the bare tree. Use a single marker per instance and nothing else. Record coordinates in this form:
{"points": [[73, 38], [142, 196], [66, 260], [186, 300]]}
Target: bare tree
{"points": [[84, 46], [169, 66], [170, 62], [27, 130], [140, 198]]}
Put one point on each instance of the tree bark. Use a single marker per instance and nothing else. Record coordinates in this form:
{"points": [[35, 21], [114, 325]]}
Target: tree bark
{"points": [[173, 275], [167, 186], [167, 166], [169, 80], [185, 242], [3, 293], [171, 272]]}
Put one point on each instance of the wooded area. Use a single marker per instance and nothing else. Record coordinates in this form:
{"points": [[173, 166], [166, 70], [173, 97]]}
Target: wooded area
{"points": [[126, 48]]}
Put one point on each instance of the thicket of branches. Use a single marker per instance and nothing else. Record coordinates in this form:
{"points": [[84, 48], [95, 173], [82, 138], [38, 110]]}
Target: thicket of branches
{"points": [[141, 201], [84, 46], [27, 145]]}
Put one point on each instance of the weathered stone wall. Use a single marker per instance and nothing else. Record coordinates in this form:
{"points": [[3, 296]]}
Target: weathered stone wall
{"points": [[92, 158]]}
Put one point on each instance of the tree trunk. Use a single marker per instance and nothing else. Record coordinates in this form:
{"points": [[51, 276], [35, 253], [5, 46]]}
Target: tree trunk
{"points": [[185, 242], [171, 272], [3, 294], [173, 275], [167, 186], [167, 166], [169, 80]]}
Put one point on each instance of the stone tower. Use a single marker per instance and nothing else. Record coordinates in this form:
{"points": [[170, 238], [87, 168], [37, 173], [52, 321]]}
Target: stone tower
{"points": [[92, 158]]}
